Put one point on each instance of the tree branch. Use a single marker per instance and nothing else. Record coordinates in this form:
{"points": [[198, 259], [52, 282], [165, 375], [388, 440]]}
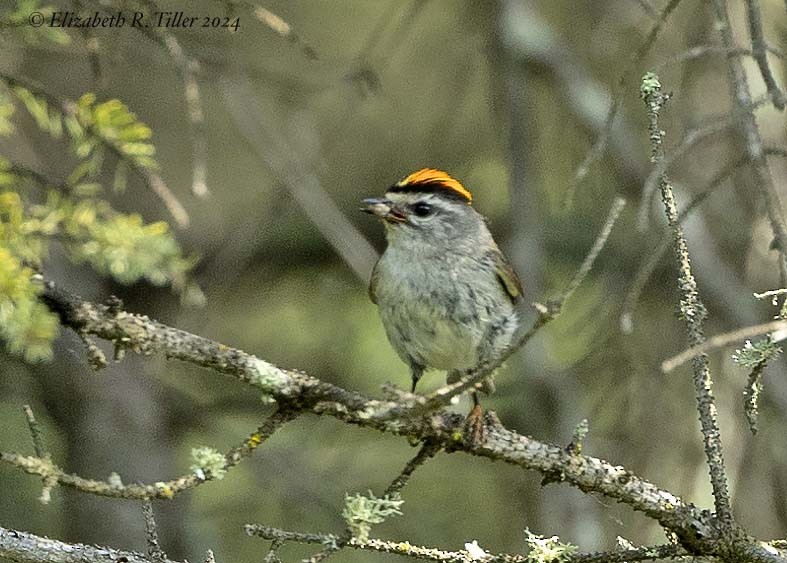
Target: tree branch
{"points": [[698, 530], [760, 53], [52, 474], [692, 309], [23, 547], [749, 134]]}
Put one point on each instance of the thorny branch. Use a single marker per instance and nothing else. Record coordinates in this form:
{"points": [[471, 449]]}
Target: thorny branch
{"points": [[692, 309]]}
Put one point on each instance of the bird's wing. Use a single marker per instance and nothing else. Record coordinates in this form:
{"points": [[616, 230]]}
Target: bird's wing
{"points": [[507, 275], [373, 283]]}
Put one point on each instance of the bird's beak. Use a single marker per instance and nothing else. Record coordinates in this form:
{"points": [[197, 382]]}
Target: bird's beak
{"points": [[384, 209]]}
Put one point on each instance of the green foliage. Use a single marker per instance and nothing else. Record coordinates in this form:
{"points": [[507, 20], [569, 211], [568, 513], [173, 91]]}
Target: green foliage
{"points": [[47, 118], [93, 125], [360, 512], [755, 353], [6, 112], [119, 245], [18, 19], [26, 325]]}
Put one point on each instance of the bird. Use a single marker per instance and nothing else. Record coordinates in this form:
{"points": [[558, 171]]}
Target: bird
{"points": [[445, 292]]}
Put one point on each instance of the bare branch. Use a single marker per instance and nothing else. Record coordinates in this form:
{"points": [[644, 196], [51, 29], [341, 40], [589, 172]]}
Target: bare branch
{"points": [[35, 432], [750, 138], [189, 67], [597, 150], [692, 309], [49, 481], [760, 53], [720, 341], [427, 451], [751, 396]]}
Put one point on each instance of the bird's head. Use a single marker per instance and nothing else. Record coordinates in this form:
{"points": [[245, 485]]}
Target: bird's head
{"points": [[429, 207]]}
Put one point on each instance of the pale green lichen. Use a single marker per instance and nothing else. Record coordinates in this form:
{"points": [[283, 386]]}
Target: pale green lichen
{"points": [[650, 84], [208, 463], [547, 550], [114, 480], [268, 377], [754, 353], [360, 512], [475, 552]]}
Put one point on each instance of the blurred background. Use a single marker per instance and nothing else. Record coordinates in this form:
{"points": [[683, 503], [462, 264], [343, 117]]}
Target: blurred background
{"points": [[311, 106]]}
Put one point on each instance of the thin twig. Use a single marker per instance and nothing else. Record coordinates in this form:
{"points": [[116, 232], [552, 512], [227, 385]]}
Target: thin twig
{"points": [[597, 150], [770, 293], [760, 53], [273, 552], [648, 8], [162, 489], [189, 67], [49, 481], [750, 137], [687, 144], [598, 245], [720, 341], [692, 309], [278, 25], [35, 432], [699, 52], [155, 552], [751, 396], [428, 450]]}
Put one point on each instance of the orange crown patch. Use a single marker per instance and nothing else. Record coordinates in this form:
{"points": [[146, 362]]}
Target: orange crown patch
{"points": [[431, 178]]}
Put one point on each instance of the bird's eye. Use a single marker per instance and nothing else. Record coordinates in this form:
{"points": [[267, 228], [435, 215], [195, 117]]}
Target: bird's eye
{"points": [[422, 209]]}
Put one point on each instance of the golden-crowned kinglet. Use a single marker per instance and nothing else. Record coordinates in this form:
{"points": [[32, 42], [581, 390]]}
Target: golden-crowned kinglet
{"points": [[445, 291]]}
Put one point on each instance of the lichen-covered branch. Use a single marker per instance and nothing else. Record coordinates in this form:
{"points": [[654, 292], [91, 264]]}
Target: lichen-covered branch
{"points": [[699, 531], [23, 547], [692, 310], [113, 487], [472, 552]]}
